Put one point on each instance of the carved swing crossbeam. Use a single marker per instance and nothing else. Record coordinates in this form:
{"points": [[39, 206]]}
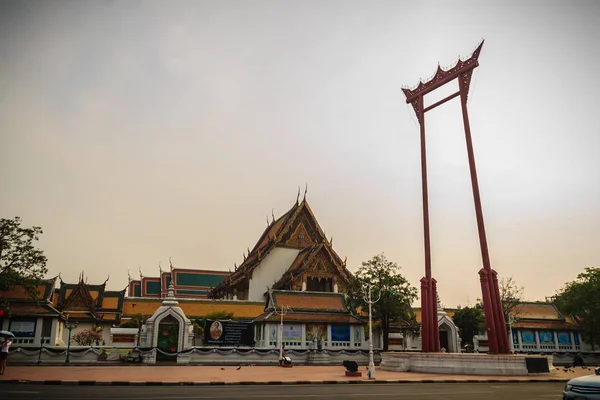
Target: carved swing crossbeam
{"points": [[494, 316]]}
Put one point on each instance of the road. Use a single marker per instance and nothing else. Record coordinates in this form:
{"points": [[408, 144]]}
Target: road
{"points": [[421, 391]]}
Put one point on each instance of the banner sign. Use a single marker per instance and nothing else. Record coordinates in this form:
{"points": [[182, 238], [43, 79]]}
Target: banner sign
{"points": [[228, 333], [292, 333], [340, 333], [22, 328]]}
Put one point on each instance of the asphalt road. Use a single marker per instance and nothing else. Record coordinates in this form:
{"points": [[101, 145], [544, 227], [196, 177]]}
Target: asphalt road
{"points": [[468, 391]]}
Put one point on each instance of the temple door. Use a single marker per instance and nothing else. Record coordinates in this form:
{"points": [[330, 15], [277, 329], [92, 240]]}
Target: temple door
{"points": [[168, 338]]}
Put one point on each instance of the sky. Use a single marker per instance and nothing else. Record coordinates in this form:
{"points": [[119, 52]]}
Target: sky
{"points": [[134, 131]]}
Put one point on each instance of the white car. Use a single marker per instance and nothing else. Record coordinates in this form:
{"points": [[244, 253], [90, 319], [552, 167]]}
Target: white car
{"points": [[583, 388]]}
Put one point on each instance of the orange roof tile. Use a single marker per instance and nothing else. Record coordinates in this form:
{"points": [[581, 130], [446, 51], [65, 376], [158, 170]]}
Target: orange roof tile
{"points": [[195, 308], [314, 317], [110, 302], [543, 325], [310, 300], [537, 311]]}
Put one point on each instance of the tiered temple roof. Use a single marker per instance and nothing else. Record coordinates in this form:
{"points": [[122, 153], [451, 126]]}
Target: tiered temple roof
{"points": [[296, 229], [313, 307], [85, 302]]}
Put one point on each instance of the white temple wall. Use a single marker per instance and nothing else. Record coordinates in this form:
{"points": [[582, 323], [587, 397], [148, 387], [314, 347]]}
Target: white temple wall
{"points": [[273, 265]]}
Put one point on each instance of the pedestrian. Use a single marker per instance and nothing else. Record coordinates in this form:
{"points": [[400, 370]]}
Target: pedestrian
{"points": [[4, 354]]}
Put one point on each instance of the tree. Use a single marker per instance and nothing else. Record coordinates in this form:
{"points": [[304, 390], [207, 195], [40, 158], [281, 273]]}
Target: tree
{"points": [[21, 264], [581, 299], [396, 293], [468, 320], [511, 295]]}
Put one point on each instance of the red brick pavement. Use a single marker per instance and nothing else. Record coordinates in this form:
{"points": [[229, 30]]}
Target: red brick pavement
{"points": [[147, 373]]}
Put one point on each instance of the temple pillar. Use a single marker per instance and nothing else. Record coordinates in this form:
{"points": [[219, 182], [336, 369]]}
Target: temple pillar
{"points": [[304, 285]]}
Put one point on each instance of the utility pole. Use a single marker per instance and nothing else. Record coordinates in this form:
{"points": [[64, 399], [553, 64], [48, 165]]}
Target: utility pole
{"points": [[282, 311], [370, 301]]}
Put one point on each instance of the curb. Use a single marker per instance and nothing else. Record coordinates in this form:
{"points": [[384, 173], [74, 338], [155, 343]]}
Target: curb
{"points": [[241, 383]]}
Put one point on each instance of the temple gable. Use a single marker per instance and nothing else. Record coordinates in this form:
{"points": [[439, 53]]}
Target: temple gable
{"points": [[293, 253]]}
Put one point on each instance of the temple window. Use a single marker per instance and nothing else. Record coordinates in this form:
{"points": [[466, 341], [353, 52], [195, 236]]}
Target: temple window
{"points": [[319, 285]]}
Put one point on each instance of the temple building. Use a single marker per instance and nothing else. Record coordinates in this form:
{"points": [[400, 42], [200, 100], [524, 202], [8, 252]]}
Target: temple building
{"points": [[292, 267], [188, 283], [291, 254], [42, 322]]}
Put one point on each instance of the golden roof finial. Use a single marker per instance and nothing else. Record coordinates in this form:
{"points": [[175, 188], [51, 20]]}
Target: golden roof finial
{"points": [[273, 215], [305, 190]]}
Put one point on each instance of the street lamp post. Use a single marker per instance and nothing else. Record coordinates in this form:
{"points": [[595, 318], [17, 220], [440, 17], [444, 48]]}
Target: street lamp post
{"points": [[369, 300], [511, 320], [282, 311], [70, 326]]}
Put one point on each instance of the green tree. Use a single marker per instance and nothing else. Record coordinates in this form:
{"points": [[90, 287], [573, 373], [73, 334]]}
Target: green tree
{"points": [[468, 320], [21, 263], [394, 291], [581, 299]]}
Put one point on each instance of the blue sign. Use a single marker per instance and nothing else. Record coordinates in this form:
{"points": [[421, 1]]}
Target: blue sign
{"points": [[340, 333], [564, 338], [546, 337], [527, 337]]}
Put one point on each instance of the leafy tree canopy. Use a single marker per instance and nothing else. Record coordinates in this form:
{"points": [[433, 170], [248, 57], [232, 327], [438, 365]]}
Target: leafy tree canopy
{"points": [[393, 290], [468, 320], [581, 299], [21, 263]]}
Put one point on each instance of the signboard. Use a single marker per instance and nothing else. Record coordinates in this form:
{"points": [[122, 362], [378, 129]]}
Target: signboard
{"points": [[22, 328], [340, 333], [292, 333], [123, 338], [228, 333]]}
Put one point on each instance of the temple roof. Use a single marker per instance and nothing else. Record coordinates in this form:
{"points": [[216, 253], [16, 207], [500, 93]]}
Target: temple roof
{"points": [[304, 261], [537, 310], [308, 307], [21, 303], [278, 234], [195, 308], [307, 301]]}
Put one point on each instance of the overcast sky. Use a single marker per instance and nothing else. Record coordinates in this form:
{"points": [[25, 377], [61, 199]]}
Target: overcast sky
{"points": [[132, 131]]}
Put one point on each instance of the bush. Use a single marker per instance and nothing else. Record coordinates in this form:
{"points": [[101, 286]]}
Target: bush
{"points": [[88, 337]]}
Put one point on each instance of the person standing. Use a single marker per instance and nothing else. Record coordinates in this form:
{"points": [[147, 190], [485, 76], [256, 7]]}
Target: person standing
{"points": [[4, 354]]}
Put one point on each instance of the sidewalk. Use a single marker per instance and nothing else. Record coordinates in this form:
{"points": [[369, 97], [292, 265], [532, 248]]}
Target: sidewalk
{"points": [[246, 375]]}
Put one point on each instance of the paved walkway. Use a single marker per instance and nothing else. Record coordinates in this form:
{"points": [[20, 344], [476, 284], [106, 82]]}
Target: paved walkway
{"points": [[146, 374]]}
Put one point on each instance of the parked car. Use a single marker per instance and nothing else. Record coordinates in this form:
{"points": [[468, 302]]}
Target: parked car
{"points": [[583, 388]]}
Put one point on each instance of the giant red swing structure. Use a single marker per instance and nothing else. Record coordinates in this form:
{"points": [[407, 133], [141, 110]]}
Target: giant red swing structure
{"points": [[494, 316]]}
